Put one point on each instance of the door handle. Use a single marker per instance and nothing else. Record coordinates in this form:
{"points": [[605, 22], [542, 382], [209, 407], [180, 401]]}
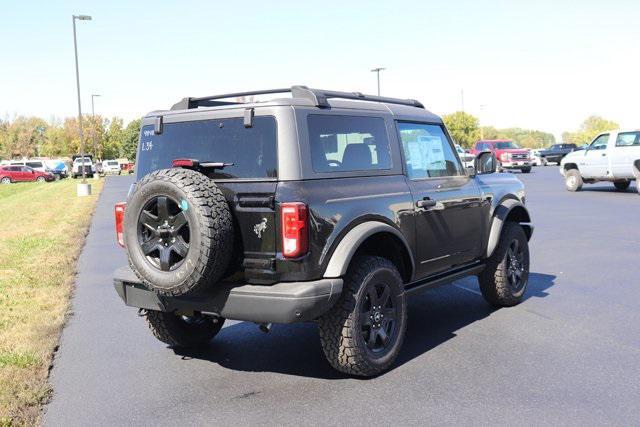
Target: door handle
{"points": [[429, 204]]}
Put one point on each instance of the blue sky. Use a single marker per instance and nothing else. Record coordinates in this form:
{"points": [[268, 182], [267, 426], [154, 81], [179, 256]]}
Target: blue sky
{"points": [[536, 64]]}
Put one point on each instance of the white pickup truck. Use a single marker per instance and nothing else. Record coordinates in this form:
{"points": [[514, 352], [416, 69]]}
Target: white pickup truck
{"points": [[612, 156]]}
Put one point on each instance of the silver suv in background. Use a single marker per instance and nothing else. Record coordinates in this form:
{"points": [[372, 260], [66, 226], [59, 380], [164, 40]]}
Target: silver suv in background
{"points": [[111, 167]]}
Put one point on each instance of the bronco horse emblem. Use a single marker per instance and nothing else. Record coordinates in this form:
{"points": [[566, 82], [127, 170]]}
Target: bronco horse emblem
{"points": [[260, 227]]}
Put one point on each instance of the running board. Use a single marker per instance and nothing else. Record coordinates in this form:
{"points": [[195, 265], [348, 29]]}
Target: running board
{"points": [[418, 286]]}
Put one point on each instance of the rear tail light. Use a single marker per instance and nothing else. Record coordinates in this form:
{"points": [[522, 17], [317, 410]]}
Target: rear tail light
{"points": [[184, 163], [119, 211], [295, 233]]}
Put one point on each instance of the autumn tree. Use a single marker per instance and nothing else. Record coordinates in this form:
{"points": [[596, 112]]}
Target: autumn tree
{"points": [[589, 129]]}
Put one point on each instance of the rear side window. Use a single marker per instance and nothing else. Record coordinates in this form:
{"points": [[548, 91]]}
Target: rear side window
{"points": [[252, 150], [427, 151], [628, 139], [34, 164], [348, 143]]}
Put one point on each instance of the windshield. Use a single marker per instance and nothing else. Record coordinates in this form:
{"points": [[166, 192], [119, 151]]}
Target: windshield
{"points": [[86, 161], [506, 145], [112, 163], [251, 151]]}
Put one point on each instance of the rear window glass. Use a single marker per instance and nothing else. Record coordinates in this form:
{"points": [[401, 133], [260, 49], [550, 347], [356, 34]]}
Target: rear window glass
{"points": [[348, 143], [252, 151], [628, 139]]}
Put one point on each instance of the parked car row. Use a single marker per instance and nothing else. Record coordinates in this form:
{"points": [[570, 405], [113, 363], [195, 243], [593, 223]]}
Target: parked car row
{"points": [[58, 169]]}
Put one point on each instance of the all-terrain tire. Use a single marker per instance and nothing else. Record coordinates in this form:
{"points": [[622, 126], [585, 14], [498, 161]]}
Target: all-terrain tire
{"points": [[179, 331], [341, 329], [622, 185], [210, 224], [494, 280], [573, 180]]}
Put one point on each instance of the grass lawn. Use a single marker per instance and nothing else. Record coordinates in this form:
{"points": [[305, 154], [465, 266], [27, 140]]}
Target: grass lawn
{"points": [[42, 229]]}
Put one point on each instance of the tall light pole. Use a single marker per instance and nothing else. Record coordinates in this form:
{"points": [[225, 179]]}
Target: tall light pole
{"points": [[377, 71], [482, 107], [85, 190], [93, 118]]}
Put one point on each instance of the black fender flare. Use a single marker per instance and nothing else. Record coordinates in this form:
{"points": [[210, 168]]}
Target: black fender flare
{"points": [[349, 244], [501, 212]]}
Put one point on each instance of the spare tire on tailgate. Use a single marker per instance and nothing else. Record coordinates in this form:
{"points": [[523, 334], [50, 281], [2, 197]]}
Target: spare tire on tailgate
{"points": [[178, 231]]}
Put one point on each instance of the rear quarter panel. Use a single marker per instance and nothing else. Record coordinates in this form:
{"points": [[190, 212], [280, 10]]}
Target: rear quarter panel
{"points": [[335, 207]]}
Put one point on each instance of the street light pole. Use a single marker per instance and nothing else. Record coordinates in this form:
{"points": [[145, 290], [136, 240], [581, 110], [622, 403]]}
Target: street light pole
{"points": [[75, 49], [93, 118], [482, 106], [377, 71]]}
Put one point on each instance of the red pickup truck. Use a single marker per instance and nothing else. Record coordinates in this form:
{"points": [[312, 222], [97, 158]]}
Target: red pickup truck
{"points": [[508, 154]]}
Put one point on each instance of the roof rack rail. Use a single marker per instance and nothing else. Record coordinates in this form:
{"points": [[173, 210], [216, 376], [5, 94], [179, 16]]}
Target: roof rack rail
{"points": [[318, 97]]}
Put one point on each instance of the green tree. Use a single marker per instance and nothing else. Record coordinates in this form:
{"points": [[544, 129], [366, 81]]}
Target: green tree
{"points": [[130, 140], [488, 132], [114, 139], [527, 138], [463, 127]]}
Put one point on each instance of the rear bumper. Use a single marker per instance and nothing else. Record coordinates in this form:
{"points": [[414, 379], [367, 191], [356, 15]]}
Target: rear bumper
{"points": [[287, 302]]}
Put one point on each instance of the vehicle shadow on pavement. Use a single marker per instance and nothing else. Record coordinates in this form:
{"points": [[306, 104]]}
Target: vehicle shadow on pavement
{"points": [[609, 189], [434, 318]]}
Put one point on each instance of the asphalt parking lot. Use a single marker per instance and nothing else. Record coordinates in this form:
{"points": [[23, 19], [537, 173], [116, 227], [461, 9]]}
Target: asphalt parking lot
{"points": [[568, 355]]}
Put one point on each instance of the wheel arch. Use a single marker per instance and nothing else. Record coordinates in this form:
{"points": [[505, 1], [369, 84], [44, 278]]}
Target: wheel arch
{"points": [[372, 238], [636, 168], [508, 210], [568, 166]]}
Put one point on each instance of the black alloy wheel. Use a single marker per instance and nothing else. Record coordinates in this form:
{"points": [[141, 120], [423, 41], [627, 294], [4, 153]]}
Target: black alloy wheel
{"points": [[515, 265], [164, 233], [378, 318]]}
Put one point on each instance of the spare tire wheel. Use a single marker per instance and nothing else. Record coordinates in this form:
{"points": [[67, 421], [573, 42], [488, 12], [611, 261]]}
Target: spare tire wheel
{"points": [[178, 231]]}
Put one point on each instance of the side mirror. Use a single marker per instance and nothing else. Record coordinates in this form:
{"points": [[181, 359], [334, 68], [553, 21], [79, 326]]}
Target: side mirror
{"points": [[485, 163], [33, 172]]}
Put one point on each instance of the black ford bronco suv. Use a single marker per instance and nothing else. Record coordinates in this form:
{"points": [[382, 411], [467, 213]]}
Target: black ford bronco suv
{"points": [[324, 206]]}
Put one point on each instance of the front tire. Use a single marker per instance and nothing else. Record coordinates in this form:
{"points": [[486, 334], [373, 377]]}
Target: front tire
{"points": [[363, 333], [40, 179], [526, 170], [504, 280], [573, 180], [183, 331], [5, 180]]}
